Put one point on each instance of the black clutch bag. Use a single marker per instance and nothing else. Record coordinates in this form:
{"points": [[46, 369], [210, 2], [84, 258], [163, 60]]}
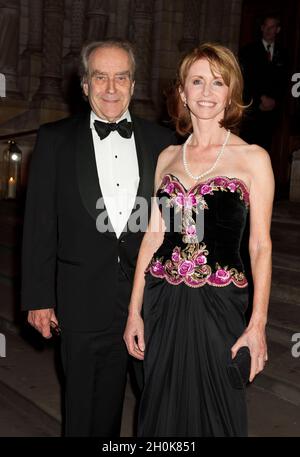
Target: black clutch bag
{"points": [[239, 368]]}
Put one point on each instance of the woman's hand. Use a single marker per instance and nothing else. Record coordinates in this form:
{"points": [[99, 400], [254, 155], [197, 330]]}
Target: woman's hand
{"points": [[254, 337], [134, 336]]}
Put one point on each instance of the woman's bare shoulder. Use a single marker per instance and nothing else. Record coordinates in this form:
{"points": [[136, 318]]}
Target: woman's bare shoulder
{"points": [[169, 151], [236, 140], [258, 163], [256, 154], [252, 152]]}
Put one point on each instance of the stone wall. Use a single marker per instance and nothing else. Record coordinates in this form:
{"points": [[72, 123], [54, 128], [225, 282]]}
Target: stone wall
{"points": [[40, 41]]}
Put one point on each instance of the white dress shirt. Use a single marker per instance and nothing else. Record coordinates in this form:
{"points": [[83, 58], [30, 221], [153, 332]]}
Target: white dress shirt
{"points": [[271, 47], [118, 173]]}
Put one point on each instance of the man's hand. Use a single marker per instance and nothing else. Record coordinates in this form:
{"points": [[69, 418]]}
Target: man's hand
{"points": [[267, 103], [134, 336], [40, 319]]}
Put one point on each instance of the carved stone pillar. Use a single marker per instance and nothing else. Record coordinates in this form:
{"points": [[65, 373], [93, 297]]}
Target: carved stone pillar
{"points": [[142, 23], [78, 13], [190, 38], [71, 81], [234, 17], [202, 21], [167, 31], [97, 18], [31, 59], [122, 18], [220, 21], [35, 29], [9, 44], [50, 85]]}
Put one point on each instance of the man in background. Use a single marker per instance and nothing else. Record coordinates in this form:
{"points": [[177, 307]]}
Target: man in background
{"points": [[264, 69]]}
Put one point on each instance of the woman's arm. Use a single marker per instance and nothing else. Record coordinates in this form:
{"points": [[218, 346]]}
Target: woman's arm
{"points": [[153, 238], [260, 249]]}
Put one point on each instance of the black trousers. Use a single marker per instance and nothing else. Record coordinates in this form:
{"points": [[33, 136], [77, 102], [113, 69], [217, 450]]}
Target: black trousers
{"points": [[95, 366]]}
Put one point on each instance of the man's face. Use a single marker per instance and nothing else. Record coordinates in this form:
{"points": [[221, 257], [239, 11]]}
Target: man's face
{"points": [[270, 29], [109, 85]]}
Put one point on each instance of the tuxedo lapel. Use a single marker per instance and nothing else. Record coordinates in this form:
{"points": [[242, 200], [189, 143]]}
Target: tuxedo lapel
{"points": [[87, 176], [146, 168]]}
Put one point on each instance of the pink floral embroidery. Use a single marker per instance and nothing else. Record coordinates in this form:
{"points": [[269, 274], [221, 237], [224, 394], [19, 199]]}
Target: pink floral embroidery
{"points": [[176, 255], [232, 186], [191, 230], [190, 201], [201, 259], [186, 201], [179, 199], [186, 267], [170, 188], [222, 274], [189, 265], [206, 189], [220, 182], [158, 268], [194, 197]]}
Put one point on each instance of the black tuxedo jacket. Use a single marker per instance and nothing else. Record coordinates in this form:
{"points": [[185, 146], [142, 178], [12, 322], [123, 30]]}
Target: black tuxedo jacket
{"points": [[262, 77], [66, 261]]}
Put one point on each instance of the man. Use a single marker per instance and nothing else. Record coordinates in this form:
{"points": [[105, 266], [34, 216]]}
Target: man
{"points": [[263, 64], [75, 265]]}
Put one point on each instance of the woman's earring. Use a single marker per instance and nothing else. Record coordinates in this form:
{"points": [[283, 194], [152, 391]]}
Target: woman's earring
{"points": [[184, 104]]}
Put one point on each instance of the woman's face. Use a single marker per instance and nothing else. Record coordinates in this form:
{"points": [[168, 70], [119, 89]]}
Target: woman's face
{"points": [[205, 94]]}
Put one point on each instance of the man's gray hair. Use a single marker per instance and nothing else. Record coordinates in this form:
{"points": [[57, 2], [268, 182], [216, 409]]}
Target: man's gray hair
{"points": [[90, 47]]}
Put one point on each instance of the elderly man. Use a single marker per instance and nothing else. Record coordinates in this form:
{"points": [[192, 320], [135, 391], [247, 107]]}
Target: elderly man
{"points": [[78, 272]]}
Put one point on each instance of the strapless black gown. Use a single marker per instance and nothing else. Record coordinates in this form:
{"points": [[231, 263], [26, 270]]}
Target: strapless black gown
{"points": [[195, 298]]}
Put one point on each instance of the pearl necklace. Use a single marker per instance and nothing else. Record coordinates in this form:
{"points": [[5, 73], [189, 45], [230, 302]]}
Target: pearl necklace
{"points": [[185, 165]]}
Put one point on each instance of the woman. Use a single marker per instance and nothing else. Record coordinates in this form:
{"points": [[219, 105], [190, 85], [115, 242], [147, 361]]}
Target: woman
{"points": [[196, 291]]}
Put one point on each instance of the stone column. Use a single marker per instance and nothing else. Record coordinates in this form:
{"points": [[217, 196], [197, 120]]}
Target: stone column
{"points": [[71, 81], [167, 32], [190, 38], [220, 21], [35, 29], [202, 20], [234, 18], [97, 18], [141, 35], [78, 14], [9, 44], [119, 19], [50, 85], [31, 59]]}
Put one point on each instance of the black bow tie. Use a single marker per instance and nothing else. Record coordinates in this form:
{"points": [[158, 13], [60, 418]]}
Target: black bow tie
{"points": [[124, 128]]}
